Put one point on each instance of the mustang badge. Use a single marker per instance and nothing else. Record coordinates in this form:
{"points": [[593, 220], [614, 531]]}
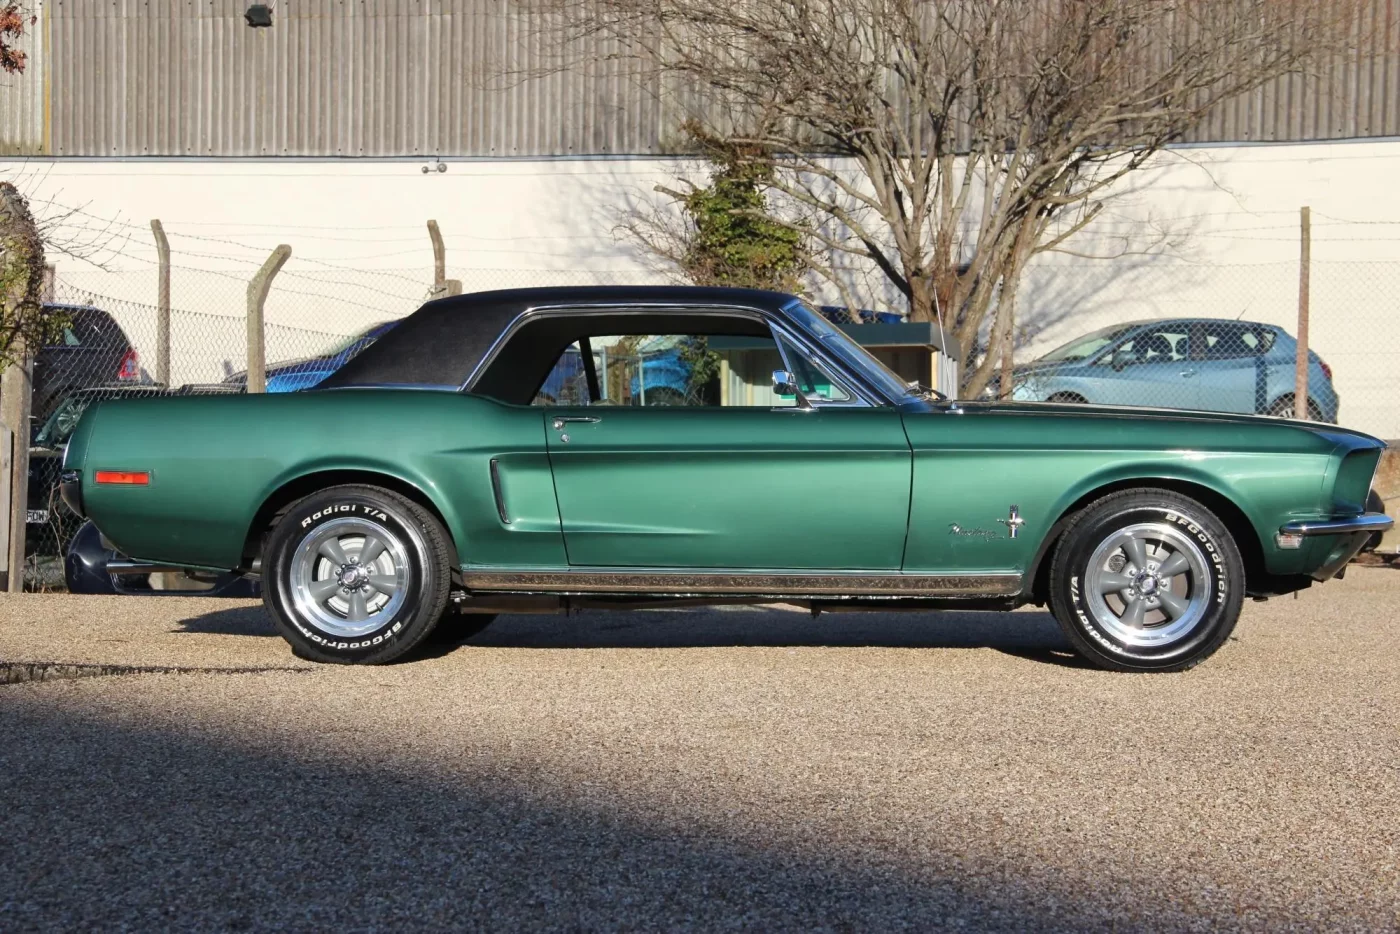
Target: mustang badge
{"points": [[955, 529], [1013, 525]]}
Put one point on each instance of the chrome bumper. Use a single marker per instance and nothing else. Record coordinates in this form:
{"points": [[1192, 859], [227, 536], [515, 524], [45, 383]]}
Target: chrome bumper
{"points": [[1354, 532], [1369, 523]]}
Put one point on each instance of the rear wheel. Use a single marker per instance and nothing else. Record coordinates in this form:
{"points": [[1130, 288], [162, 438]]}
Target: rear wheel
{"points": [[1283, 408], [356, 575], [1147, 580]]}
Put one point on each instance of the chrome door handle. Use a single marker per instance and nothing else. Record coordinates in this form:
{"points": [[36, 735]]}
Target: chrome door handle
{"points": [[561, 420], [1188, 373]]}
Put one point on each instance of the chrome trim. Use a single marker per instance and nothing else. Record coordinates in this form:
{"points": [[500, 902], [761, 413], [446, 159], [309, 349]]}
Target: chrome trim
{"points": [[417, 387], [496, 490], [141, 567], [868, 394], [816, 353], [1370, 523], [784, 584]]}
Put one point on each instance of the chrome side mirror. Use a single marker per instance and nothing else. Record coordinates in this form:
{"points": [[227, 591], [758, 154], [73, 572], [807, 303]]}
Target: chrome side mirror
{"points": [[784, 384]]}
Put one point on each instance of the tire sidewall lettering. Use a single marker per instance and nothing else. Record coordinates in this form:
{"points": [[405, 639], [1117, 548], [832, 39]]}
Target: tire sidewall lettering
{"points": [[305, 525], [341, 510]]}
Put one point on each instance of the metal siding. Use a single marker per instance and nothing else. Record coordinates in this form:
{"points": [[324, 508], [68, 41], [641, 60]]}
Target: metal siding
{"points": [[22, 108], [422, 78]]}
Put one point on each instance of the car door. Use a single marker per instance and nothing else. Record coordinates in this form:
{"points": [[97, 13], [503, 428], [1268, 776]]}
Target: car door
{"points": [[1230, 358], [1151, 368], [713, 468]]}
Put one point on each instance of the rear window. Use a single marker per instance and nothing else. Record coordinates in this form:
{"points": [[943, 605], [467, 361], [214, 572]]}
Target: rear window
{"points": [[88, 327]]}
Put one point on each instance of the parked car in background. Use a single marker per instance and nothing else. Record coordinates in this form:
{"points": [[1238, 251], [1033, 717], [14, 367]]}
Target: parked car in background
{"points": [[1187, 363], [92, 350], [292, 375]]}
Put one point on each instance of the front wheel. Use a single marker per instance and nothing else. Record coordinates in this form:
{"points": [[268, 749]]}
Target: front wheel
{"points": [[356, 575], [1147, 580]]}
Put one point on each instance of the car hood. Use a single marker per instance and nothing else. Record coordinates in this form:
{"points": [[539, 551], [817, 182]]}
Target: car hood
{"points": [[1181, 417]]}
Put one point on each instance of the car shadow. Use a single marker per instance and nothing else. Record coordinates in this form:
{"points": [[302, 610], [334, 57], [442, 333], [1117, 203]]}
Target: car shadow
{"points": [[236, 621], [1026, 634], [1034, 636]]}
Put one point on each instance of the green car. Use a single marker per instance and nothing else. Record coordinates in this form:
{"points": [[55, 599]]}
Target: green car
{"points": [[430, 474]]}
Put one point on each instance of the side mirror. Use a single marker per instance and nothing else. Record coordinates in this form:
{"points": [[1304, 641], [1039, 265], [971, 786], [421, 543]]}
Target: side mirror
{"points": [[784, 384], [1120, 364]]}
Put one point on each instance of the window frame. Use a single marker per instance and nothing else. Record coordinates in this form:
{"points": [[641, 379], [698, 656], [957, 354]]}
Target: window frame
{"points": [[862, 395]]}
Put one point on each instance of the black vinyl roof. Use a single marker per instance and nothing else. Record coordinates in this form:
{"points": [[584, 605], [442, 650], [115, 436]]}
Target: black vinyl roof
{"points": [[442, 342]]}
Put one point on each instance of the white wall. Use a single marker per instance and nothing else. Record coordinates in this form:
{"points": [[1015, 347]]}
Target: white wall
{"points": [[1216, 227]]}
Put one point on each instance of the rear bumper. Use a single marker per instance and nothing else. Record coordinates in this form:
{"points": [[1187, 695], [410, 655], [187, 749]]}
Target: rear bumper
{"points": [[1349, 533], [70, 486]]}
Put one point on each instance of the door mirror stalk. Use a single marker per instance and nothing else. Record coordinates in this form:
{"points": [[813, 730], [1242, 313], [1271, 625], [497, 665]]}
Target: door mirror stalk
{"points": [[785, 384]]}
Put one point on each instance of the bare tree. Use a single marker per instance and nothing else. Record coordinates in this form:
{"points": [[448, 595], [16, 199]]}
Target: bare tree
{"points": [[25, 322], [947, 142]]}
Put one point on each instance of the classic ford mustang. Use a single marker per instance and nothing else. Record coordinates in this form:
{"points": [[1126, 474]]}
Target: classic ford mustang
{"points": [[785, 464]]}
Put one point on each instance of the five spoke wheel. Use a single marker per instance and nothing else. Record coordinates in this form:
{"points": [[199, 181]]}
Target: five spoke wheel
{"points": [[1147, 584], [350, 576]]}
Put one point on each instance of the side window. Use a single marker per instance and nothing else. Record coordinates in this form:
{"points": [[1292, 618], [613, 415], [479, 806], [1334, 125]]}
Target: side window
{"points": [[688, 370], [1228, 340], [813, 379], [1157, 345]]}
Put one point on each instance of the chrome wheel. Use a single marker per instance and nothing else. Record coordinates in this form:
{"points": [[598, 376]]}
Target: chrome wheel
{"points": [[349, 577], [1147, 585]]}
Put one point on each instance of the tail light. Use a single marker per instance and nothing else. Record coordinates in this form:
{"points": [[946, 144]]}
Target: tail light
{"points": [[1326, 370], [130, 367]]}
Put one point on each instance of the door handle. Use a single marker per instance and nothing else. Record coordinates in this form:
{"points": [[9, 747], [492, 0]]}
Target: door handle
{"points": [[561, 420], [1188, 373]]}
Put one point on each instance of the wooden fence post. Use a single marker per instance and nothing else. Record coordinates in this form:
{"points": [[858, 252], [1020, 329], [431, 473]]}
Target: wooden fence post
{"points": [[257, 298], [16, 389], [1300, 381], [7, 448], [439, 257], [162, 305]]}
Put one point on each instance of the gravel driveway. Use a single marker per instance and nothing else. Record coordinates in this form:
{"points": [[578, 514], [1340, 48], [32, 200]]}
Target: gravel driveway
{"points": [[710, 769]]}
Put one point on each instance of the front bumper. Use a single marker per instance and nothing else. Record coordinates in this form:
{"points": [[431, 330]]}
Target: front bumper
{"points": [[1351, 534]]}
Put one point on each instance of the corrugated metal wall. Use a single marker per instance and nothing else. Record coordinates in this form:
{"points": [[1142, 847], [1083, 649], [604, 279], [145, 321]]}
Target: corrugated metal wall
{"points": [[418, 78], [22, 98]]}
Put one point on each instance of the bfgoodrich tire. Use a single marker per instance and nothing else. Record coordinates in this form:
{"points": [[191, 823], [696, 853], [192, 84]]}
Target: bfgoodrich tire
{"points": [[356, 575], [1147, 580]]}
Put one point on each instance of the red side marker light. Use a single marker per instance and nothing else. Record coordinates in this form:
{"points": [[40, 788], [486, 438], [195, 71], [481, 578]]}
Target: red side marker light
{"points": [[127, 477]]}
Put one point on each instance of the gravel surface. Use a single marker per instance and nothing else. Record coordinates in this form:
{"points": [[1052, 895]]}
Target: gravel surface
{"points": [[752, 769]]}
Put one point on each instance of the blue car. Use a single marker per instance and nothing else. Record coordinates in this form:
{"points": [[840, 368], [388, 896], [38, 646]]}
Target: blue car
{"points": [[292, 375], [1187, 363]]}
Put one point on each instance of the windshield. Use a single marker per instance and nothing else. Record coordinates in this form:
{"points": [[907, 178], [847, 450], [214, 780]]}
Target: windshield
{"points": [[849, 352], [62, 422], [1081, 348]]}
